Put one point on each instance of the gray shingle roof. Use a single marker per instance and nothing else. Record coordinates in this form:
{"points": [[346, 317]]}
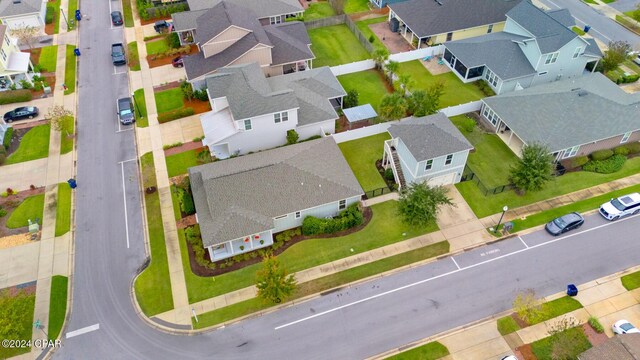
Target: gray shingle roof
{"points": [[430, 137], [220, 17], [498, 51], [592, 48], [426, 17], [186, 20], [619, 347], [241, 196], [197, 65], [262, 8], [563, 16], [8, 8], [569, 112], [290, 42]]}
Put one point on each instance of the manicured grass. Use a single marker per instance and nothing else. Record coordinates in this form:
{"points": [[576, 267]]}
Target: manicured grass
{"points": [[318, 10], [507, 325], [631, 281], [456, 92], [31, 208], [633, 66], [608, 1], [622, 20], [63, 210], [48, 58], [557, 307], [34, 145], [364, 27], [168, 100], [590, 2], [386, 227], [578, 31], [492, 159], [370, 85], [153, 286], [157, 46], [324, 283], [70, 71], [66, 139], [430, 351], [127, 13], [134, 56], [543, 348], [335, 45], [178, 164], [148, 170], [57, 305], [141, 108], [354, 6], [71, 9], [361, 154], [488, 205], [55, 9], [23, 304]]}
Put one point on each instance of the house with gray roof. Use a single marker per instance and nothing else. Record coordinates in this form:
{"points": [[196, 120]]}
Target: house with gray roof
{"points": [[430, 22], [573, 117], [619, 347], [267, 11], [230, 33], [535, 47], [241, 202], [428, 148], [252, 112], [22, 13]]}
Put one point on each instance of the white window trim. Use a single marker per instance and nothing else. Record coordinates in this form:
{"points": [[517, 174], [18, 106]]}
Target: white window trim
{"points": [[244, 123], [429, 165], [298, 215], [490, 29], [551, 58], [571, 152], [447, 159], [626, 137], [342, 204], [577, 52]]}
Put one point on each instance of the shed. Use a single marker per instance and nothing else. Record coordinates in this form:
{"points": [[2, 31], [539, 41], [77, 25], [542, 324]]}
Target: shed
{"points": [[359, 113]]}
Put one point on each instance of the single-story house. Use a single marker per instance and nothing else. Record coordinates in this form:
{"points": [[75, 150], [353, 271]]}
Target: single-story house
{"points": [[573, 117], [428, 149], [22, 13], [619, 347], [241, 202], [430, 22]]}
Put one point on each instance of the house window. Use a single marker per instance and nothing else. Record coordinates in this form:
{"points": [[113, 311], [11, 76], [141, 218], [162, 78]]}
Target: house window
{"points": [[342, 205], [577, 52], [4, 55], [429, 165], [490, 29], [6, 40], [247, 124], [626, 137], [485, 112], [298, 214], [551, 58], [279, 117], [542, 73], [491, 78], [218, 247], [571, 152], [275, 20], [449, 36], [448, 160]]}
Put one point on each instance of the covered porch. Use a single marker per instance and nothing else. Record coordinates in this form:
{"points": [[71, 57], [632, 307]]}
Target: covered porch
{"points": [[466, 74], [241, 245], [296, 66], [217, 126], [396, 24], [510, 138], [186, 37], [19, 68]]}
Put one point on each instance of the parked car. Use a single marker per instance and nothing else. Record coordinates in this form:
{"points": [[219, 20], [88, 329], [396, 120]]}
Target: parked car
{"points": [[163, 26], [125, 111], [116, 18], [21, 113], [622, 206], [178, 62], [624, 327], [117, 54], [564, 223]]}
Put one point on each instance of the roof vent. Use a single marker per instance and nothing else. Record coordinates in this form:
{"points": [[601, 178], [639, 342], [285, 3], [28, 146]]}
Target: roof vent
{"points": [[438, 2], [17, 1], [574, 89], [582, 93]]}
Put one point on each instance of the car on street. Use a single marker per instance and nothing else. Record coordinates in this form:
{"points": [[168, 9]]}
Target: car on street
{"points": [[21, 113], [117, 54], [178, 62], [116, 18], [622, 206], [125, 111], [564, 223], [624, 327]]}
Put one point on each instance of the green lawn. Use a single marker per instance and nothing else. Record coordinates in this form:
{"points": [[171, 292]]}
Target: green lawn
{"points": [[361, 154], [157, 46], [70, 70], [608, 1], [55, 9], [127, 13], [72, 7], [57, 305], [385, 228], [318, 10], [430, 351], [63, 210], [178, 164], [543, 348], [335, 45], [134, 56], [48, 58], [370, 85], [557, 307], [590, 2], [456, 92], [153, 286], [23, 305], [631, 65], [326, 282], [631, 281], [492, 159], [364, 27], [34, 145], [354, 6], [624, 21], [578, 30], [141, 108], [31, 208], [168, 100], [507, 325], [488, 205], [66, 139]]}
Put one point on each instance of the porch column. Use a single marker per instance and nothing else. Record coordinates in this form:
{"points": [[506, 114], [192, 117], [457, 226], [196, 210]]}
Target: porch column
{"points": [[510, 136], [231, 246], [209, 249], [419, 42], [466, 74], [251, 242], [596, 65]]}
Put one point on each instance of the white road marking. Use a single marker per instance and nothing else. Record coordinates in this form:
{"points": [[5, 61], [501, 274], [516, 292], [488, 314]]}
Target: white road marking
{"points": [[455, 262], [123, 130], [124, 198], [445, 274], [115, 70], [523, 243], [120, 162], [84, 330]]}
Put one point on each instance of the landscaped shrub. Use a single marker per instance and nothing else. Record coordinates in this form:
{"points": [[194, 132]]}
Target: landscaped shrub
{"points": [[3, 212], [351, 99], [201, 95], [595, 324], [314, 137], [388, 175], [170, 146], [174, 40], [288, 235], [628, 79], [186, 202], [601, 154], [485, 88], [175, 114], [621, 150], [48, 18], [6, 142], [468, 125], [608, 166], [14, 96], [633, 147], [292, 137], [26, 84], [204, 157], [578, 161], [348, 218]]}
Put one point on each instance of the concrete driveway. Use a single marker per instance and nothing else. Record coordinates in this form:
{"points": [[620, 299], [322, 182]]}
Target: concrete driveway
{"points": [[42, 104]]}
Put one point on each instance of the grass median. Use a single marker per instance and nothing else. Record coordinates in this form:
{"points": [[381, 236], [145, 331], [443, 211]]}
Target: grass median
{"points": [[70, 70], [140, 104], [631, 281], [430, 351], [57, 305], [63, 210]]}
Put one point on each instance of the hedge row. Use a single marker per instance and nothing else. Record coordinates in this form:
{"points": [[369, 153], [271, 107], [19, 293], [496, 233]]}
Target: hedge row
{"points": [[348, 218], [14, 96], [186, 202], [608, 166], [175, 114], [6, 142]]}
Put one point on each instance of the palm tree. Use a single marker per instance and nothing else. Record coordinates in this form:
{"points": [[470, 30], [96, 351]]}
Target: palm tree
{"points": [[393, 107], [404, 83], [392, 68], [380, 56]]}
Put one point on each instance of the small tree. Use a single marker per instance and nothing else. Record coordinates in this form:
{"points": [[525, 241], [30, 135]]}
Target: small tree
{"points": [[351, 99], [392, 107], [379, 57], [404, 83], [565, 344], [292, 137], [617, 53], [528, 306], [60, 119], [272, 281], [419, 203], [534, 168], [423, 103], [26, 35], [187, 91], [392, 68]]}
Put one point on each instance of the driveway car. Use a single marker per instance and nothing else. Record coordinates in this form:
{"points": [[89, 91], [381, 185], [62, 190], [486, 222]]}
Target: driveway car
{"points": [[564, 223], [116, 18], [622, 206], [624, 327], [125, 111], [21, 113], [178, 62]]}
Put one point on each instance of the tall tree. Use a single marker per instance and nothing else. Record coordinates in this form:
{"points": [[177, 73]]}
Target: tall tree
{"points": [[422, 103], [617, 53], [534, 168], [26, 35], [419, 203], [273, 282], [379, 57], [60, 119], [392, 107]]}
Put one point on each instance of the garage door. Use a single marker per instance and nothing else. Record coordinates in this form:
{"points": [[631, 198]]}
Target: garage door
{"points": [[446, 179]]}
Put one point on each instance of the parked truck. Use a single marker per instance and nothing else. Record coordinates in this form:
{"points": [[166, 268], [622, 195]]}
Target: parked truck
{"points": [[117, 54]]}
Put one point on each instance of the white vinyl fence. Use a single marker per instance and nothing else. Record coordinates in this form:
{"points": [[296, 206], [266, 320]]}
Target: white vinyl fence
{"points": [[417, 54], [462, 108], [353, 67], [362, 132]]}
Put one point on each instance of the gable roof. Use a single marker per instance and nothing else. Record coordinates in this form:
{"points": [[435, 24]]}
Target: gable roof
{"points": [[241, 196], [262, 8], [619, 347], [225, 14], [8, 8], [563, 16], [591, 108], [428, 17], [290, 42], [430, 137], [186, 20]]}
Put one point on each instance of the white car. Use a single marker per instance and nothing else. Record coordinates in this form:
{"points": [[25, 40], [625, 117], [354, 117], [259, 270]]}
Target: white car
{"points": [[510, 357], [624, 327], [622, 206]]}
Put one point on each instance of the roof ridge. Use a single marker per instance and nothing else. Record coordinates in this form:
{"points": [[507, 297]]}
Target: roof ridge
{"points": [[316, 174]]}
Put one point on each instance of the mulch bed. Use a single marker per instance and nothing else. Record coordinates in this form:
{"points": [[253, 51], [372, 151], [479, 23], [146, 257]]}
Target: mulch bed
{"points": [[594, 337], [374, 13], [167, 86], [206, 272], [198, 106], [187, 221], [156, 60], [10, 203], [29, 288], [193, 145], [525, 352], [152, 21]]}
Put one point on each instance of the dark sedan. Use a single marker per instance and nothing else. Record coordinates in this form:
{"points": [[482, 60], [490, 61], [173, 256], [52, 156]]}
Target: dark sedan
{"points": [[564, 223], [28, 112], [116, 18]]}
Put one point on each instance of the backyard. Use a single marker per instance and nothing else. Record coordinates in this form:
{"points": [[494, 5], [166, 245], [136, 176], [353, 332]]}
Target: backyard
{"points": [[361, 154], [354, 6], [34, 145], [335, 45], [366, 30], [370, 84], [318, 10]]}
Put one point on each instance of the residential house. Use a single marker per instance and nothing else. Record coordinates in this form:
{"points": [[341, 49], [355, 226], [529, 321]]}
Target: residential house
{"points": [[229, 34], [427, 149], [382, 3], [619, 347], [429, 22], [573, 117], [241, 202], [535, 47], [14, 64], [268, 11], [22, 13], [252, 112]]}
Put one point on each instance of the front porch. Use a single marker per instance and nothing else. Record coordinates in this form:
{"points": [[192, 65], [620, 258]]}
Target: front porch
{"points": [[241, 245], [511, 139], [19, 68], [186, 37]]}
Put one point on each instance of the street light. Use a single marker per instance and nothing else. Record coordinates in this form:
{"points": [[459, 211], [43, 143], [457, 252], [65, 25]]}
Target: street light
{"points": [[65, 19], [504, 210], [135, 104]]}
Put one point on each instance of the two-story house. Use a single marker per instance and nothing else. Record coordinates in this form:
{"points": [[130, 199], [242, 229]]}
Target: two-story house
{"points": [[241, 202], [229, 34], [267, 11], [535, 47], [252, 112], [22, 13], [13, 62], [427, 149]]}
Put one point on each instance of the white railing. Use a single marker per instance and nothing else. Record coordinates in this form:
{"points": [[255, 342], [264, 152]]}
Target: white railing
{"points": [[353, 67], [462, 108], [392, 162], [417, 54], [362, 132]]}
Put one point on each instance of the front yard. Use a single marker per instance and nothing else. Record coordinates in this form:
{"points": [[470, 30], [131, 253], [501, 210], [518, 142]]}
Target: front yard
{"points": [[20, 305], [335, 45], [171, 105], [47, 57], [34, 145], [31, 208], [361, 154], [178, 164], [370, 84]]}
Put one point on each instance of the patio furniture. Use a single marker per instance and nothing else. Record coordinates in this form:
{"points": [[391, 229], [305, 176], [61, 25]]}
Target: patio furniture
{"points": [[427, 58]]}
